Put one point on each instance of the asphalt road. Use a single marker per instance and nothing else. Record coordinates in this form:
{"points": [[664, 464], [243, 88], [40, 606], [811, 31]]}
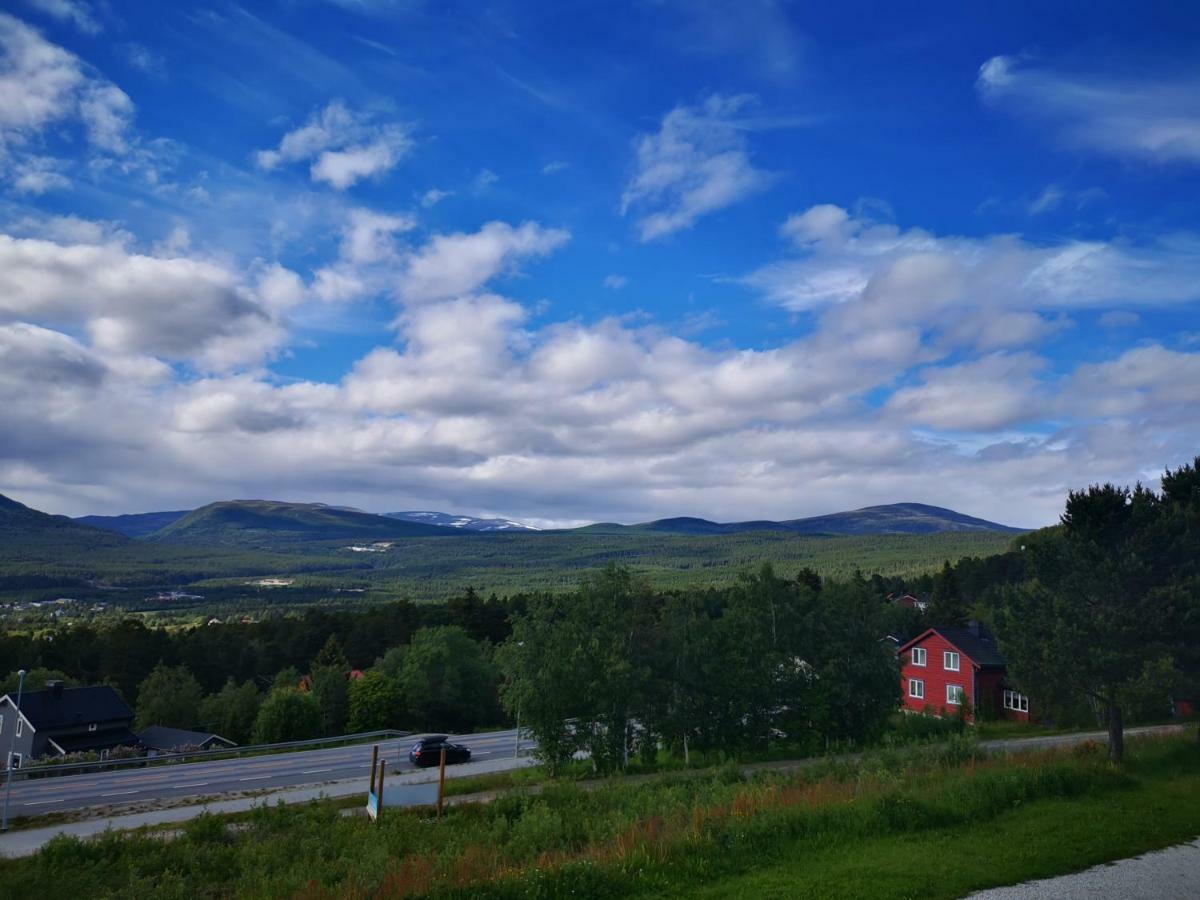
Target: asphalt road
{"points": [[38, 796]]}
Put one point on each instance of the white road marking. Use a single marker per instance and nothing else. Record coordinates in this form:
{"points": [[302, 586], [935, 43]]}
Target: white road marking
{"points": [[253, 777], [193, 784], [121, 793], [41, 802], [313, 771]]}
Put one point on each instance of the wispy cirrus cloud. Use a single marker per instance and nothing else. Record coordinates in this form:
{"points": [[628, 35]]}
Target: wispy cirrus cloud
{"points": [[698, 162], [1148, 117], [75, 12]]}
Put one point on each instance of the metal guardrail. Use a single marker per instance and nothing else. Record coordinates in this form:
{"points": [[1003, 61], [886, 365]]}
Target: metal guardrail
{"points": [[200, 755]]}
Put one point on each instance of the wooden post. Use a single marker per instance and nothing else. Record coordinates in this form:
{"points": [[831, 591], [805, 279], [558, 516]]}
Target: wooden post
{"points": [[379, 787], [441, 782], [374, 765]]}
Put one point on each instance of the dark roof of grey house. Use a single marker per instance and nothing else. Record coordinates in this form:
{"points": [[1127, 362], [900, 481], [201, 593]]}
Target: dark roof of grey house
{"points": [[71, 707], [159, 737]]}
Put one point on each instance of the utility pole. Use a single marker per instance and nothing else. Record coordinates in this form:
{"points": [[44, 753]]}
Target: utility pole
{"points": [[12, 742]]}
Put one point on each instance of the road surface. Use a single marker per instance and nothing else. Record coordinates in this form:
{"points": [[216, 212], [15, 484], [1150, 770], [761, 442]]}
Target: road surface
{"points": [[1171, 874], [66, 793]]}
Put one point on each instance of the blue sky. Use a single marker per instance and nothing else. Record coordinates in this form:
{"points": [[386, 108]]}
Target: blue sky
{"points": [[586, 261]]}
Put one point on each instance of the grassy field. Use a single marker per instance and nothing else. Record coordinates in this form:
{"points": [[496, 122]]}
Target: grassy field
{"points": [[934, 824], [433, 568]]}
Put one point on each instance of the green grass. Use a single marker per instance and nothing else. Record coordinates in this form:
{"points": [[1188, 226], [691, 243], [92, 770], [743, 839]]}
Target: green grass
{"points": [[1040, 840], [930, 824]]}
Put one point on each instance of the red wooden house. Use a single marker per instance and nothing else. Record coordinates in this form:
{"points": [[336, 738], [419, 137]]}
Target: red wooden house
{"points": [[945, 669]]}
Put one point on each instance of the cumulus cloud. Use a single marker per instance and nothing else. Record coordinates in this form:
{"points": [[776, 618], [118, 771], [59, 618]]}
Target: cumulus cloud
{"points": [[1143, 116], [451, 265], [42, 84], [615, 282], [179, 308], [695, 164], [44, 89], [433, 197], [343, 146], [478, 404], [988, 394], [992, 292]]}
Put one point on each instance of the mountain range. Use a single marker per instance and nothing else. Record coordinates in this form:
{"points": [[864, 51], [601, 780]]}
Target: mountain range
{"points": [[259, 521], [233, 520]]}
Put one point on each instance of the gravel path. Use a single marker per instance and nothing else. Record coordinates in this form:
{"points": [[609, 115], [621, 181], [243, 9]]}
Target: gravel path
{"points": [[1171, 874]]}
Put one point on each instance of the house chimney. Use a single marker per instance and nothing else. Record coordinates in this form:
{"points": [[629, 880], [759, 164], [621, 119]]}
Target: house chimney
{"points": [[974, 627], [55, 688]]}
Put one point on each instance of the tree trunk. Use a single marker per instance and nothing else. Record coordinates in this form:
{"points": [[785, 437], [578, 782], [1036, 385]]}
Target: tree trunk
{"points": [[687, 759], [1116, 734]]}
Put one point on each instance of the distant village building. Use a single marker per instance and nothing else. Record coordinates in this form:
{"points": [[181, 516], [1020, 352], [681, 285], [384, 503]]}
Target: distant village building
{"points": [[958, 671]]}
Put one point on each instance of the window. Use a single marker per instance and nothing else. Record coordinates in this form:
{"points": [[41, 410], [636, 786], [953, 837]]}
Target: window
{"points": [[20, 725], [15, 760], [92, 727], [1016, 701], [954, 695], [916, 688], [1, 723], [950, 661], [918, 656]]}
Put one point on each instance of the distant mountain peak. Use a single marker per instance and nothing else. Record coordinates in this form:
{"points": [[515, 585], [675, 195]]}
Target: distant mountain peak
{"points": [[463, 523]]}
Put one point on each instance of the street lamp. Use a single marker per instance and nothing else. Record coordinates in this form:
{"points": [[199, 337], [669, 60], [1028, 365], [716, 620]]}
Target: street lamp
{"points": [[517, 742], [12, 742]]}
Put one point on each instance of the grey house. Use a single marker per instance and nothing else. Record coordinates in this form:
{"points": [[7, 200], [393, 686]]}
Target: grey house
{"points": [[60, 720]]}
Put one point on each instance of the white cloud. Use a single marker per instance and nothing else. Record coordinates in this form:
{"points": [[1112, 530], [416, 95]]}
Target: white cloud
{"points": [[478, 404], [179, 308], [433, 197], [344, 146], [987, 394], [994, 291], [367, 237], [1142, 116], [695, 164], [1049, 199], [75, 12], [555, 166], [42, 88], [144, 59], [32, 174], [451, 265], [485, 179], [615, 282]]}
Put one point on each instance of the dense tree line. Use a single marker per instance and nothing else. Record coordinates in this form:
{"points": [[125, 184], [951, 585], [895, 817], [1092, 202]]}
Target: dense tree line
{"points": [[1111, 611], [124, 653], [617, 669]]}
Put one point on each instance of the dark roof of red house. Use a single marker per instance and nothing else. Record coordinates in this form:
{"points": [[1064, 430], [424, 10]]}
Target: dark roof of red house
{"points": [[975, 642]]}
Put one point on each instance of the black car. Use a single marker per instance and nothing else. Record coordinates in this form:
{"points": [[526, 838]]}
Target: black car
{"points": [[428, 751]]}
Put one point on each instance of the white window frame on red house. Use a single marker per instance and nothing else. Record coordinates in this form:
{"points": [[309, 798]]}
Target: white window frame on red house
{"points": [[955, 695], [919, 657], [1016, 701], [947, 655], [916, 688]]}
